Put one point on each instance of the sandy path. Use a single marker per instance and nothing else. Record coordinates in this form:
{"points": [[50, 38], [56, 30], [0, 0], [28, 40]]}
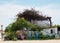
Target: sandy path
{"points": [[32, 41]]}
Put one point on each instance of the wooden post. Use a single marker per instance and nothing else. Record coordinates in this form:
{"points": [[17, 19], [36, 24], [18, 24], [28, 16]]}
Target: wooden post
{"points": [[50, 21]]}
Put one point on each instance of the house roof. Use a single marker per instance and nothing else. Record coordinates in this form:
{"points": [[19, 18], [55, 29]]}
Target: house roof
{"points": [[1, 31]]}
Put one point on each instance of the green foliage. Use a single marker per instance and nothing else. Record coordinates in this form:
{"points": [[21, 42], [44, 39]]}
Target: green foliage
{"points": [[8, 28], [41, 37], [56, 26], [20, 23], [36, 28], [10, 35], [45, 37]]}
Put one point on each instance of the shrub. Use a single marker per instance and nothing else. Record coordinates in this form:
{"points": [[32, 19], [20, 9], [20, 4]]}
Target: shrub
{"points": [[11, 36], [45, 37]]}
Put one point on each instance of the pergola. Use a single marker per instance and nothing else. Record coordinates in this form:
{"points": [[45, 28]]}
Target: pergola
{"points": [[34, 15]]}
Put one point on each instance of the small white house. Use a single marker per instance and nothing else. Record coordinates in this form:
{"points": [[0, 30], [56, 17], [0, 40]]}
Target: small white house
{"points": [[51, 31]]}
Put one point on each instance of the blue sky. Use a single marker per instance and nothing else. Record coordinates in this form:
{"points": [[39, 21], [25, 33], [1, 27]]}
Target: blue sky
{"points": [[31, 2], [9, 9]]}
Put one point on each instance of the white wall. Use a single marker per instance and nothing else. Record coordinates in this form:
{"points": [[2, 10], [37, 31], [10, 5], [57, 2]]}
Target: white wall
{"points": [[45, 23], [0, 36], [48, 31]]}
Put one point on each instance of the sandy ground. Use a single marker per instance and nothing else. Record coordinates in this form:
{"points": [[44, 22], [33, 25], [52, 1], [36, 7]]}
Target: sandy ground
{"points": [[32, 41]]}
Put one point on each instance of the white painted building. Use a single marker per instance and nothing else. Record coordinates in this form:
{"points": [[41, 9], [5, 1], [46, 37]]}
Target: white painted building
{"points": [[45, 23], [51, 32]]}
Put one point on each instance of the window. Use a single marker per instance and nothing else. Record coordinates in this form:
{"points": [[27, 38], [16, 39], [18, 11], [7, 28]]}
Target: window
{"points": [[51, 31], [58, 28]]}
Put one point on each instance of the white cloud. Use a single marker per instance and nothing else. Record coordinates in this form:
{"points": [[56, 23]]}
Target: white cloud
{"points": [[52, 10], [8, 12]]}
